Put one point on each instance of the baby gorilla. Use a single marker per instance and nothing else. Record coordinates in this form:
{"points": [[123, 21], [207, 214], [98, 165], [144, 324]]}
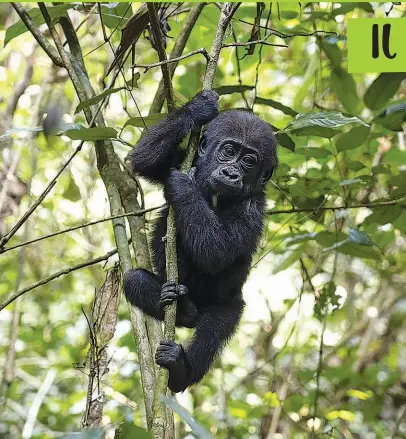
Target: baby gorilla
{"points": [[219, 212]]}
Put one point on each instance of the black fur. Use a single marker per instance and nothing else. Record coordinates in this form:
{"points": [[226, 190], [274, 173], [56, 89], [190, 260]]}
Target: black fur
{"points": [[219, 211]]}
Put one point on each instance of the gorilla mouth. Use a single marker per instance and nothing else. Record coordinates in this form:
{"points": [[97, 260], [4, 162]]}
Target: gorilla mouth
{"points": [[220, 185]]}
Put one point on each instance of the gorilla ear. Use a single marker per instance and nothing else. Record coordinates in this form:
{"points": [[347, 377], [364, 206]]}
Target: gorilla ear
{"points": [[266, 177], [202, 145]]}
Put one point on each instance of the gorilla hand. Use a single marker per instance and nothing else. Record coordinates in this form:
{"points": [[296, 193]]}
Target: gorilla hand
{"points": [[203, 108]]}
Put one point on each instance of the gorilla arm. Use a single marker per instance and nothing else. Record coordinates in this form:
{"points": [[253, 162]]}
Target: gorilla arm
{"points": [[214, 328], [212, 243], [157, 151]]}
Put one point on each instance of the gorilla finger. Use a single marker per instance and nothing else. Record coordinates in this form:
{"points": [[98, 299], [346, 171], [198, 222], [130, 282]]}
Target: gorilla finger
{"points": [[170, 343], [169, 283], [182, 290]]}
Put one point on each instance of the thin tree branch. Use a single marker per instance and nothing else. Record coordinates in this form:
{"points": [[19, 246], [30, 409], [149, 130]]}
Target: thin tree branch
{"points": [[323, 208], [177, 50], [81, 226], [163, 418], [227, 12], [157, 33], [283, 35], [172, 60], [249, 43], [54, 276]]}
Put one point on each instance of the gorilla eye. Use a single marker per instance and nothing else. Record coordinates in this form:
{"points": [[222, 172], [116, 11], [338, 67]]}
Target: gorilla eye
{"points": [[249, 161], [228, 152]]}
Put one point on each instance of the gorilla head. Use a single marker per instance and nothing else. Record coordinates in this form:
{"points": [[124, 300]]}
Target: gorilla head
{"points": [[237, 155]]}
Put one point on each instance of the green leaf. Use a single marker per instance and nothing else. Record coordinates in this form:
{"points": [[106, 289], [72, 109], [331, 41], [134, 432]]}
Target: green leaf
{"points": [[96, 99], [72, 192], [323, 124], [328, 239], [353, 138], [276, 105], [359, 237], [19, 27], [393, 117], [315, 152], [116, 15], [130, 430], [345, 415], [384, 215], [289, 260], [285, 141], [326, 301], [133, 82], [197, 429], [359, 251], [332, 51], [345, 89], [228, 89], [140, 122], [348, 7], [91, 134], [382, 89], [300, 237], [355, 166]]}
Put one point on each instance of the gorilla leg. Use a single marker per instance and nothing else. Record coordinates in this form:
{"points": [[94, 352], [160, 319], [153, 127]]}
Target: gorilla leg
{"points": [[213, 329], [144, 290]]}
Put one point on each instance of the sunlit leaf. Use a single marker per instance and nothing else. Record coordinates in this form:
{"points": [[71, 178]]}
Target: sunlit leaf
{"points": [[393, 117], [197, 429], [359, 237], [89, 134], [346, 415], [323, 124], [359, 394]]}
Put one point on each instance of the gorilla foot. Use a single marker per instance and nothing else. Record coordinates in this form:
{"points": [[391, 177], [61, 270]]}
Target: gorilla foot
{"points": [[171, 356]]}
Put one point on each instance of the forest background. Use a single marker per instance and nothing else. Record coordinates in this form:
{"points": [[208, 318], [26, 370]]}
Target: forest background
{"points": [[321, 350]]}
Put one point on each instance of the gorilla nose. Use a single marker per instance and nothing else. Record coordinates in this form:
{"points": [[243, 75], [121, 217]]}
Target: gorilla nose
{"points": [[231, 174]]}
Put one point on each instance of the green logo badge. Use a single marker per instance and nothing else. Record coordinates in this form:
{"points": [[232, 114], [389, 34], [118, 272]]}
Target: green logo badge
{"points": [[376, 45]]}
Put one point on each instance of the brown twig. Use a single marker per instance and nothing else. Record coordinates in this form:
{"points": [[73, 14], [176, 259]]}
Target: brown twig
{"points": [[250, 43], [54, 276], [172, 60], [323, 208], [81, 226]]}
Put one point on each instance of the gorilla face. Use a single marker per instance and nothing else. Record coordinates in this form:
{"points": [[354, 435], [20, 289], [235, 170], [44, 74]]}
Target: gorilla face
{"points": [[237, 154], [236, 166]]}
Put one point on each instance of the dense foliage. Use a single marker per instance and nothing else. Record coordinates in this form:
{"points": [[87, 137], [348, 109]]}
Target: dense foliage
{"points": [[322, 350]]}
